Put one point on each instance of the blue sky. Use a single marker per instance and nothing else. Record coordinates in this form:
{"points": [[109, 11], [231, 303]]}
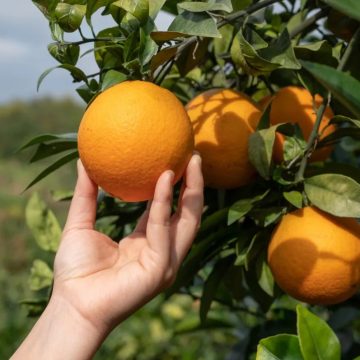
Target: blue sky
{"points": [[24, 36]]}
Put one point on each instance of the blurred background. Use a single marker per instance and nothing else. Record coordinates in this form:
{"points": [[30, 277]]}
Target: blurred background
{"points": [[55, 108]]}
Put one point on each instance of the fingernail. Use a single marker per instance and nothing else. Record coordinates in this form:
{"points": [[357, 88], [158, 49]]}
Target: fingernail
{"points": [[170, 175], [197, 158]]}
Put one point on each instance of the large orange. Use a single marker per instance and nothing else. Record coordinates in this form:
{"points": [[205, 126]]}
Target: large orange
{"points": [[315, 257], [294, 104], [130, 134], [223, 120]]}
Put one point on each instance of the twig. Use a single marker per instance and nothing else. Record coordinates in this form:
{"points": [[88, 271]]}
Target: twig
{"points": [[308, 22]]}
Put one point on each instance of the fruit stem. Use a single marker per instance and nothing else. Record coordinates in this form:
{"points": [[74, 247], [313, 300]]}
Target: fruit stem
{"points": [[320, 111]]}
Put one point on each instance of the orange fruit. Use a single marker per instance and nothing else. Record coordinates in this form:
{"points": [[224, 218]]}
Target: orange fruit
{"points": [[223, 120], [293, 104], [315, 257], [130, 134]]}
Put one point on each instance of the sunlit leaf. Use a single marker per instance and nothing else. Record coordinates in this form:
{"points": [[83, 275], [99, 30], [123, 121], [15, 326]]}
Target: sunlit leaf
{"points": [[317, 340]]}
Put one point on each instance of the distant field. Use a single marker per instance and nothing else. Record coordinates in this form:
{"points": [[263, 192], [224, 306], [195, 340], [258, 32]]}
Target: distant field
{"points": [[19, 122]]}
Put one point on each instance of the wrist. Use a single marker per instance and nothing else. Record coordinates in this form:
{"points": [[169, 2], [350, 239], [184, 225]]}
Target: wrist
{"points": [[61, 333]]}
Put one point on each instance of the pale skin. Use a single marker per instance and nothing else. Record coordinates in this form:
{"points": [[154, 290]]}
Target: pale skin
{"points": [[97, 282]]}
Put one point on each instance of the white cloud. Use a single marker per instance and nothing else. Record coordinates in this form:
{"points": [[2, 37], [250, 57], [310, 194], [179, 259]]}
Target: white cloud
{"points": [[11, 49]]}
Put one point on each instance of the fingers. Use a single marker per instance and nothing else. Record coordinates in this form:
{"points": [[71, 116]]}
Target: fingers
{"points": [[142, 222], [82, 211], [186, 222], [158, 223]]}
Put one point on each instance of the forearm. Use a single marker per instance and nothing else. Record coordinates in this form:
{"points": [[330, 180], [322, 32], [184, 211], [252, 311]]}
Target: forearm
{"points": [[61, 333]]}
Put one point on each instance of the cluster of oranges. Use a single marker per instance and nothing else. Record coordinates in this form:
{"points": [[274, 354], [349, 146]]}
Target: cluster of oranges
{"points": [[135, 130]]}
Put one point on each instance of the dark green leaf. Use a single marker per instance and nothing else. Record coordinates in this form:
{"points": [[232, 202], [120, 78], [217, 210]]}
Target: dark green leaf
{"points": [[267, 216], [65, 53], [43, 224], [338, 134], [77, 74], [112, 77], [261, 144], [349, 7], [62, 161], [94, 5], [243, 206], [279, 347], [338, 119], [318, 51], [47, 137], [334, 193], [34, 307], [69, 16], [45, 150], [317, 340], [148, 46], [198, 24], [41, 276], [264, 275], [342, 85], [211, 285], [295, 198]]}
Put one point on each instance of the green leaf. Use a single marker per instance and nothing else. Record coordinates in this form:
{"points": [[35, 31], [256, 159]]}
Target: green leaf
{"points": [[295, 198], [339, 119], [77, 74], [155, 7], [43, 224], [279, 347], [267, 216], [349, 7], [211, 285], [255, 56], [198, 24], [339, 134], [138, 8], [45, 150], [69, 17], [47, 137], [47, 7], [214, 5], [261, 144], [34, 307], [41, 276], [148, 46], [64, 53], [62, 161], [264, 275], [318, 51], [94, 5], [317, 340], [342, 85], [334, 193], [112, 77], [243, 206]]}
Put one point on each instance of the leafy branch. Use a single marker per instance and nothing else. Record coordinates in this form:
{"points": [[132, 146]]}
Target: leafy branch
{"points": [[320, 111]]}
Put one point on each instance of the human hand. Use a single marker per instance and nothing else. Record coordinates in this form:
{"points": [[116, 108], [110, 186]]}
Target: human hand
{"points": [[98, 282]]}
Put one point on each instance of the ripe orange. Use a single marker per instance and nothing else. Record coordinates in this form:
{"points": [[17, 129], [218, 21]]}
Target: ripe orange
{"points": [[130, 134], [223, 120], [293, 104], [315, 257]]}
